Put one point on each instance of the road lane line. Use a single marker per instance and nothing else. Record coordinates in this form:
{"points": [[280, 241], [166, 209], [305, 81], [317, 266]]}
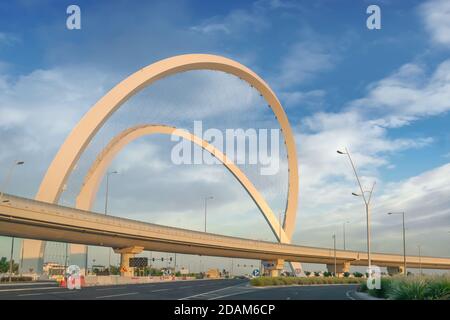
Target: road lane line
{"points": [[117, 295], [30, 294], [62, 292], [104, 289], [29, 289], [231, 294], [159, 290], [208, 292], [349, 295], [185, 287], [41, 293], [27, 284]]}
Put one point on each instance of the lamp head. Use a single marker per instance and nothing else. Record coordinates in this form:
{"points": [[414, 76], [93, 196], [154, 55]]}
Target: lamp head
{"points": [[341, 152]]}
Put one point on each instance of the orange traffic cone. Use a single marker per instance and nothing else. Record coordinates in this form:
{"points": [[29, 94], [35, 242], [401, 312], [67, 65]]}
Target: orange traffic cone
{"points": [[63, 283]]}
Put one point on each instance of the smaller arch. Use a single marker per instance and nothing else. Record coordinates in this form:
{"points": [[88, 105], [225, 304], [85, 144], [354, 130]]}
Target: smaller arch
{"points": [[93, 178]]}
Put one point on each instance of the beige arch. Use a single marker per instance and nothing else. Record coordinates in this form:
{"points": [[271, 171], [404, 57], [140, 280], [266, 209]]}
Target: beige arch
{"points": [[92, 180], [69, 153], [77, 141]]}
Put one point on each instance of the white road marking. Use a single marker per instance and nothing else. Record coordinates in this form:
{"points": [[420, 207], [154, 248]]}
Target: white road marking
{"points": [[29, 294], [305, 285], [115, 288], [41, 293], [117, 295], [231, 294], [349, 295], [208, 292], [26, 284], [29, 289], [159, 290], [185, 287], [62, 292]]}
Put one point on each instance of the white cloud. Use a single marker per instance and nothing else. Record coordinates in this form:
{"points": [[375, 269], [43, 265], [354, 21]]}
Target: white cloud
{"points": [[8, 39], [424, 199], [323, 133], [43, 106], [304, 61], [310, 99], [233, 23], [435, 14], [255, 18], [408, 94]]}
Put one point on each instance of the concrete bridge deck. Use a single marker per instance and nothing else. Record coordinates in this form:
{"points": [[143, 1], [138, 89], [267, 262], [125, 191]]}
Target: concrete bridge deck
{"points": [[26, 218]]}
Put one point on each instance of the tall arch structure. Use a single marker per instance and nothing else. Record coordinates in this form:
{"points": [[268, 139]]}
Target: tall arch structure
{"points": [[77, 141]]}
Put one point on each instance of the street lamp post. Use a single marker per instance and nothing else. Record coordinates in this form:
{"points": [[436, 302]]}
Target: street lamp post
{"points": [[106, 209], [206, 210], [206, 204], [175, 263], [11, 259], [404, 241], [366, 203], [8, 178], [334, 246], [5, 184], [107, 189]]}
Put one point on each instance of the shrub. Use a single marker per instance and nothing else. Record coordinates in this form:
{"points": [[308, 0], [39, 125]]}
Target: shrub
{"points": [[307, 273], [412, 288], [276, 281], [16, 279], [385, 288], [357, 274], [346, 274], [438, 290], [363, 287], [408, 289]]}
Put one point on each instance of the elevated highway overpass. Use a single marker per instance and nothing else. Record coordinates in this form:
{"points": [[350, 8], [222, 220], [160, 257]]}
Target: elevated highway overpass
{"points": [[25, 218]]}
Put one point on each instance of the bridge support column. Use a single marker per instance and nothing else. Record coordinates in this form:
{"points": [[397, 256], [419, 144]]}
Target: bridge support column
{"points": [[276, 267], [125, 255], [395, 270], [341, 268]]}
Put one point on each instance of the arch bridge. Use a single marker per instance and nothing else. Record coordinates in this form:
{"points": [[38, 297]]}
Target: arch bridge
{"points": [[77, 141]]}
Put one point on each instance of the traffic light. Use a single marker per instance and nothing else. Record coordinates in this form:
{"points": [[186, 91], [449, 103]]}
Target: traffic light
{"points": [[170, 258], [162, 259], [153, 259]]}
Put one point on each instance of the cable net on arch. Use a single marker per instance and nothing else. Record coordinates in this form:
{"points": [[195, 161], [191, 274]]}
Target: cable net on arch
{"points": [[150, 187]]}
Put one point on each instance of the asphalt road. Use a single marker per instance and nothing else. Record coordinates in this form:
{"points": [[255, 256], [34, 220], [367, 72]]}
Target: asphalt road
{"points": [[235, 289]]}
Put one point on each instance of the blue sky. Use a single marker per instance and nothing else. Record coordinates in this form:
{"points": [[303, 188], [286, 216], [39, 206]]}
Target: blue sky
{"points": [[384, 94]]}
